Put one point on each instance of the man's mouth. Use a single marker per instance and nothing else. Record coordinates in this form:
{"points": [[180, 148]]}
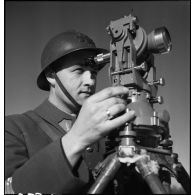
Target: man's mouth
{"points": [[87, 92]]}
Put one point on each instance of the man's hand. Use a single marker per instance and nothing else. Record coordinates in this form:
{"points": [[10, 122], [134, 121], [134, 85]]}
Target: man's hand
{"points": [[94, 120]]}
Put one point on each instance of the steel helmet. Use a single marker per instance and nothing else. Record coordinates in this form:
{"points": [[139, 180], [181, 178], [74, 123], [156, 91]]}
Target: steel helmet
{"points": [[63, 45]]}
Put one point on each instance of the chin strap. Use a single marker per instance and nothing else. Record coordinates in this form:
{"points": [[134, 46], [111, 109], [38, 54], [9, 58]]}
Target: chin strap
{"points": [[65, 91]]}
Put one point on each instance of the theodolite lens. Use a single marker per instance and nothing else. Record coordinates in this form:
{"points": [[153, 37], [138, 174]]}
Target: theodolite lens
{"points": [[159, 41]]}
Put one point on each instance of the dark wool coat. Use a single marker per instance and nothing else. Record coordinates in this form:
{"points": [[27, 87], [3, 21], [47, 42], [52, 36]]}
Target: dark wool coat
{"points": [[37, 163]]}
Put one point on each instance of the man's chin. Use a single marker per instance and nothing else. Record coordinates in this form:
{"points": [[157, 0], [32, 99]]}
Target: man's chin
{"points": [[83, 97]]}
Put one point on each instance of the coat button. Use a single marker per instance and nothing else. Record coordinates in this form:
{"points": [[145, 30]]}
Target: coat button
{"points": [[89, 149]]}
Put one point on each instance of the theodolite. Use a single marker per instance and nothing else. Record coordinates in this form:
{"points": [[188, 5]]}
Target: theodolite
{"points": [[147, 139]]}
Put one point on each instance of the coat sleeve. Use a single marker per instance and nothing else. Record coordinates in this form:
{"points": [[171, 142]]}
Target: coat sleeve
{"points": [[48, 171]]}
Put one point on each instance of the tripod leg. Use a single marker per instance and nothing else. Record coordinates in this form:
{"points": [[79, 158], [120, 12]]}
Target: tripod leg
{"points": [[167, 187], [182, 177], [106, 176], [151, 179], [165, 178]]}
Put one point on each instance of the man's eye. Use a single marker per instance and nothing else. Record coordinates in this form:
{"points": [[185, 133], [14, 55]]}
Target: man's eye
{"points": [[78, 70]]}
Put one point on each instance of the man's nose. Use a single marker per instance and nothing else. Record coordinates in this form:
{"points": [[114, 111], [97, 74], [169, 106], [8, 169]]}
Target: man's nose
{"points": [[89, 78]]}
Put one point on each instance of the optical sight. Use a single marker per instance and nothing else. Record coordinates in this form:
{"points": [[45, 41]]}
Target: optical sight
{"points": [[157, 42]]}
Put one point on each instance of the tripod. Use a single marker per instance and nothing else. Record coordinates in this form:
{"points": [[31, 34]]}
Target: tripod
{"points": [[147, 139], [128, 154]]}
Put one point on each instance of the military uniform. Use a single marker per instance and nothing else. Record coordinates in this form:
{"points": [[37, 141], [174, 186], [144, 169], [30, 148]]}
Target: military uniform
{"points": [[34, 157], [35, 161]]}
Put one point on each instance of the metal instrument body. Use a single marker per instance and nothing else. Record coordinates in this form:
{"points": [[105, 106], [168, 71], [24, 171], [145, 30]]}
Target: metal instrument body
{"points": [[132, 65]]}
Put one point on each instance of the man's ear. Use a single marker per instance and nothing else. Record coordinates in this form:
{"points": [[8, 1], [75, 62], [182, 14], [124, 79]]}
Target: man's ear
{"points": [[50, 78]]}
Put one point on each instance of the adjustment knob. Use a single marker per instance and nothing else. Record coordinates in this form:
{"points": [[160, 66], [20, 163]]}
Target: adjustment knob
{"points": [[143, 67], [89, 149], [160, 82], [158, 99]]}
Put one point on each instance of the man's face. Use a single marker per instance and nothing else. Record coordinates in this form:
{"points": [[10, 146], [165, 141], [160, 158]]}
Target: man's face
{"points": [[79, 81]]}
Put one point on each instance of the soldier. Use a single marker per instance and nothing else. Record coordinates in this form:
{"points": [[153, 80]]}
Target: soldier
{"points": [[48, 149]]}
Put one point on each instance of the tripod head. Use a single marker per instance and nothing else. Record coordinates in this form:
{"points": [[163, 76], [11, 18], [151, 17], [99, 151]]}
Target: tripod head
{"points": [[131, 60]]}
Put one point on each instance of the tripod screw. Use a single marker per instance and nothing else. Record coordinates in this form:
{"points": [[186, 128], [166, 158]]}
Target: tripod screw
{"points": [[175, 157], [148, 96], [166, 143]]}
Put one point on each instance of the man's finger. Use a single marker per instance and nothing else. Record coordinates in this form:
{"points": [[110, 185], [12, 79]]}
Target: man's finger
{"points": [[109, 92], [119, 121], [111, 101], [116, 109]]}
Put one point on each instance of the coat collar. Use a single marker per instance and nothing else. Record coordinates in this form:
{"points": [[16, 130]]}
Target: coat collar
{"points": [[50, 112]]}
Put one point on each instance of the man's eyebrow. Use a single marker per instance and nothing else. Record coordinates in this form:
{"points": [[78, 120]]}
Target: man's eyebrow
{"points": [[76, 66], [84, 67]]}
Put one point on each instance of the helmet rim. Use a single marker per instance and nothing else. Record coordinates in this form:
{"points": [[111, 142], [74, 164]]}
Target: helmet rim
{"points": [[41, 79]]}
